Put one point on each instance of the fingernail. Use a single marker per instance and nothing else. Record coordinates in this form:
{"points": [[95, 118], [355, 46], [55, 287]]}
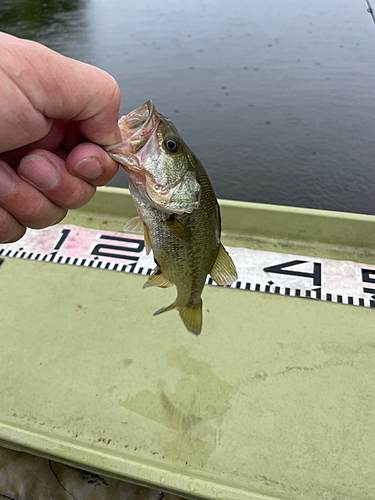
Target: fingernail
{"points": [[7, 183], [89, 168], [39, 171]]}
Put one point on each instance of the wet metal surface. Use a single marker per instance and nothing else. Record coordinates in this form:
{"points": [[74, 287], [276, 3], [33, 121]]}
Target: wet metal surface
{"points": [[276, 99]]}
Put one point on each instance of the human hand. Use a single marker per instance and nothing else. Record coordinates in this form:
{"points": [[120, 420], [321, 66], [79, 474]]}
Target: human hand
{"points": [[50, 106]]}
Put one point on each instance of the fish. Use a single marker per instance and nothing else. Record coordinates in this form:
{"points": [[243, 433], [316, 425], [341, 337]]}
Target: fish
{"points": [[177, 210]]}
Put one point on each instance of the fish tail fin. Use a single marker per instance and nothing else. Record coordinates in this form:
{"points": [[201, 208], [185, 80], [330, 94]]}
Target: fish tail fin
{"points": [[192, 317]]}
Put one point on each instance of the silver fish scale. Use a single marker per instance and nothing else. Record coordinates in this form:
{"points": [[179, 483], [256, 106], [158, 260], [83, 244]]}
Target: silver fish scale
{"points": [[185, 264]]}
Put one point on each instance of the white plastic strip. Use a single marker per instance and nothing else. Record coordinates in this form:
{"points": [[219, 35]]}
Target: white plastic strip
{"points": [[339, 281]]}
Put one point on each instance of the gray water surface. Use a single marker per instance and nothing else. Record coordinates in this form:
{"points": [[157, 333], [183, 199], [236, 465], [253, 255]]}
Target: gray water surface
{"points": [[277, 99]]}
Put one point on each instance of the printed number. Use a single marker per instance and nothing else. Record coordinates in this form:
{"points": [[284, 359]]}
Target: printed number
{"points": [[366, 277], [316, 275], [64, 234], [101, 249]]}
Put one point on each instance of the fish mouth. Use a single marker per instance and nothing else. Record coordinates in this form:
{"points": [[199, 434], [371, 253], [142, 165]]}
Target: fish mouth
{"points": [[136, 129]]}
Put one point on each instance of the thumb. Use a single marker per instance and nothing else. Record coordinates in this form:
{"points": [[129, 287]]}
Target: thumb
{"points": [[58, 87], [98, 112]]}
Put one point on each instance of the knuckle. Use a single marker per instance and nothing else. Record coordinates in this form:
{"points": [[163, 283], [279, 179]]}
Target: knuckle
{"points": [[61, 215], [10, 229], [79, 196], [35, 211], [17, 235], [42, 213]]}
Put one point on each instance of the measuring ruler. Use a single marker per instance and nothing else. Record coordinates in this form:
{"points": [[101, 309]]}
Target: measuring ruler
{"points": [[337, 281]]}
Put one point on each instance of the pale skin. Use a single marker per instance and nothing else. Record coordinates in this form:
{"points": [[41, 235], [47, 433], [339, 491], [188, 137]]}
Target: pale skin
{"points": [[55, 112]]}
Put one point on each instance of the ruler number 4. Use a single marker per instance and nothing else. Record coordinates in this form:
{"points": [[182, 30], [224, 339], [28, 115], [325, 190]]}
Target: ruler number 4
{"points": [[316, 275]]}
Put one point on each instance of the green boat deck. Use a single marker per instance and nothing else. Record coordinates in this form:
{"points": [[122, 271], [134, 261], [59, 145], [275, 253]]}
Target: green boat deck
{"points": [[275, 399]]}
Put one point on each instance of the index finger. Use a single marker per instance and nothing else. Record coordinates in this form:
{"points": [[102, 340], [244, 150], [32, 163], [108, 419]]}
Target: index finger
{"points": [[57, 87]]}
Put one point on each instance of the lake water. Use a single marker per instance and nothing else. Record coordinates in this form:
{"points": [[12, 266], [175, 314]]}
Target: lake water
{"points": [[277, 99]]}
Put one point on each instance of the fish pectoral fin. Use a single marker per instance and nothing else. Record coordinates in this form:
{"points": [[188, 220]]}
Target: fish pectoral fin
{"points": [[147, 240], [223, 271], [178, 230], [134, 225], [191, 315], [157, 279]]}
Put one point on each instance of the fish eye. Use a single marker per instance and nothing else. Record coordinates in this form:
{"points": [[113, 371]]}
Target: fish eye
{"points": [[171, 144]]}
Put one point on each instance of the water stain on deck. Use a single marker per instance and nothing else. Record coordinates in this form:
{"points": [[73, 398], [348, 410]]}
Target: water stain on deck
{"points": [[191, 414]]}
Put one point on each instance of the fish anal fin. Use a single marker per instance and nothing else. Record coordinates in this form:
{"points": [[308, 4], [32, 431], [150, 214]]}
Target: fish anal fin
{"points": [[134, 225], [157, 279], [223, 271], [165, 309], [147, 240], [178, 230], [192, 317]]}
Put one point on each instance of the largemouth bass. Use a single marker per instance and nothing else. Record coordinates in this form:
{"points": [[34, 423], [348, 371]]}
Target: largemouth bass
{"points": [[177, 209]]}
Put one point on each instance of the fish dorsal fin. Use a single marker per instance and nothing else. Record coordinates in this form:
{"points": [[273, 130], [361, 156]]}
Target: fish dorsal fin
{"points": [[223, 271], [134, 225], [191, 315], [178, 230], [147, 240], [157, 279]]}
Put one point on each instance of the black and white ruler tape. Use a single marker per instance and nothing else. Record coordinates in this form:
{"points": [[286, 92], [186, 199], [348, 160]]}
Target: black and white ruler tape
{"points": [[339, 281]]}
